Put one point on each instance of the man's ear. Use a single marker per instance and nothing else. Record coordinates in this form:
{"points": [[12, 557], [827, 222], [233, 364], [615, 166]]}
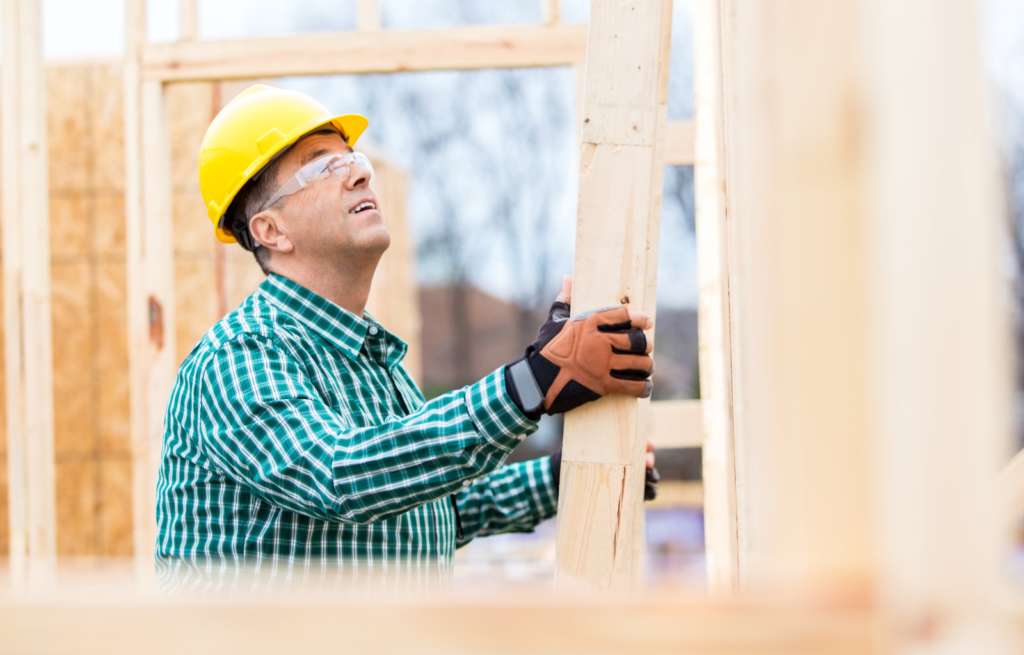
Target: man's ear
{"points": [[266, 231]]}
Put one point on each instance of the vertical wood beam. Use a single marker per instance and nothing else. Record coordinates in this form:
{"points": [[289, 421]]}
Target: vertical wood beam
{"points": [[600, 514], [943, 360], [367, 15], [796, 172], [26, 271], [188, 20], [711, 191], [149, 244], [551, 11]]}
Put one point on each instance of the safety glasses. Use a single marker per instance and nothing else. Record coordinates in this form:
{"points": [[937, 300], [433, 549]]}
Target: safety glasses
{"points": [[319, 169]]}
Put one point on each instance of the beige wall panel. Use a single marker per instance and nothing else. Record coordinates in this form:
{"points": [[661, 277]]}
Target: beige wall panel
{"points": [[108, 225], [70, 224], [77, 529], [111, 359], [68, 117], [195, 302], [115, 507], [106, 102], [74, 377]]}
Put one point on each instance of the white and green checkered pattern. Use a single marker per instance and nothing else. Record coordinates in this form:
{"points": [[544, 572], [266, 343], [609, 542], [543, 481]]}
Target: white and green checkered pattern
{"points": [[293, 432]]}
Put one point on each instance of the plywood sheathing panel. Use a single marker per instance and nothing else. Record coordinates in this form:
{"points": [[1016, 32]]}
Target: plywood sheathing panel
{"points": [[77, 507], [114, 495], [109, 291], [74, 374], [107, 128]]}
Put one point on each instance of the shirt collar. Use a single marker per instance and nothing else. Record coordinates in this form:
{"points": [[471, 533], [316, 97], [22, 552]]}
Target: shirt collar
{"points": [[340, 327], [337, 325]]}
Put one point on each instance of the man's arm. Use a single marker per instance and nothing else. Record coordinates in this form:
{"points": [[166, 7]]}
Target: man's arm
{"points": [[264, 424], [514, 498]]}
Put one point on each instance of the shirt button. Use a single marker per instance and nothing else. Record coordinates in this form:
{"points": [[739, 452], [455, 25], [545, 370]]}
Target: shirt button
{"points": [[373, 330]]}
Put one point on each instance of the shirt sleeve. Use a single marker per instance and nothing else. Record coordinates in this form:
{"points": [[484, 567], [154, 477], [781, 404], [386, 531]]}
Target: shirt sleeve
{"points": [[264, 424], [514, 498]]}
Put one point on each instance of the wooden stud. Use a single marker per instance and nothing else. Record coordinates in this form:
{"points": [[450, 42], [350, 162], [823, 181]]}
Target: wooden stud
{"points": [[621, 171], [28, 357], [711, 191], [551, 11], [796, 190], [942, 371], [150, 277], [95, 621], [680, 135], [677, 424], [368, 15], [678, 494], [386, 51], [188, 20]]}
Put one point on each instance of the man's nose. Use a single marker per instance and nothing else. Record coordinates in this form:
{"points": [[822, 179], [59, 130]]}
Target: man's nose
{"points": [[358, 176]]}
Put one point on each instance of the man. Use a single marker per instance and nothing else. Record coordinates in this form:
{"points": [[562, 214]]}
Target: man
{"points": [[293, 432]]}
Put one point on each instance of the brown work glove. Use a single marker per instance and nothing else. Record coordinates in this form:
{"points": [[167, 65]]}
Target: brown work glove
{"points": [[577, 359]]}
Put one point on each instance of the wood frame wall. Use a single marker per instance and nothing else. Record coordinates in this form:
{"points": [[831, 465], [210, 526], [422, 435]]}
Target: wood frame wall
{"points": [[900, 301], [150, 67]]}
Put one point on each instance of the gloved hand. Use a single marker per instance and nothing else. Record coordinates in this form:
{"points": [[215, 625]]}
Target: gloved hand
{"points": [[651, 475], [577, 359]]}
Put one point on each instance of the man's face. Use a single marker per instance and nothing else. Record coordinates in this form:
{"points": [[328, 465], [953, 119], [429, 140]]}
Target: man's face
{"points": [[321, 220]]}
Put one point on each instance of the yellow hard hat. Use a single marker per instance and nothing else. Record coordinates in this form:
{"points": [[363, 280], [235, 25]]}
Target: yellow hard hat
{"points": [[257, 125]]}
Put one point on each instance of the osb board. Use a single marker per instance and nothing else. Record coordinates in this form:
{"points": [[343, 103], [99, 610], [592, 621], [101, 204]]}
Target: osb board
{"points": [[91, 415], [111, 354], [77, 507], [114, 506], [195, 302], [74, 357]]}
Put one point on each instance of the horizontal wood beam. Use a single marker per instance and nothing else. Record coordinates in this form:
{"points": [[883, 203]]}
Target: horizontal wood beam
{"points": [[386, 51], [676, 494], [677, 424], [679, 139], [662, 622]]}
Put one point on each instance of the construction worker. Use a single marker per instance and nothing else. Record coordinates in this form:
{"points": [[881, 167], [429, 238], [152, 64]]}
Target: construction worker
{"points": [[293, 432]]}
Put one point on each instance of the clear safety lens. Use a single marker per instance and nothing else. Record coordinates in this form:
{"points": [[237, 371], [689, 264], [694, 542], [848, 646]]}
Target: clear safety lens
{"points": [[321, 168]]}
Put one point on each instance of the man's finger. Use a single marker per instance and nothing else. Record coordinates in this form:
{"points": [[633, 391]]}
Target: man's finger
{"points": [[640, 319]]}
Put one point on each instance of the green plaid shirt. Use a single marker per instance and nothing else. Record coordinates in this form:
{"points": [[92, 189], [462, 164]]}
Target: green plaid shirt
{"points": [[293, 432]]}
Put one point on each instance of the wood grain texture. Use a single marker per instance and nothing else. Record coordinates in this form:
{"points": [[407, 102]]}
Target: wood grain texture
{"points": [[385, 51], [77, 507], [677, 424], [74, 353], [600, 519], [114, 515], [713, 224], [943, 365], [801, 263], [91, 621], [28, 360]]}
